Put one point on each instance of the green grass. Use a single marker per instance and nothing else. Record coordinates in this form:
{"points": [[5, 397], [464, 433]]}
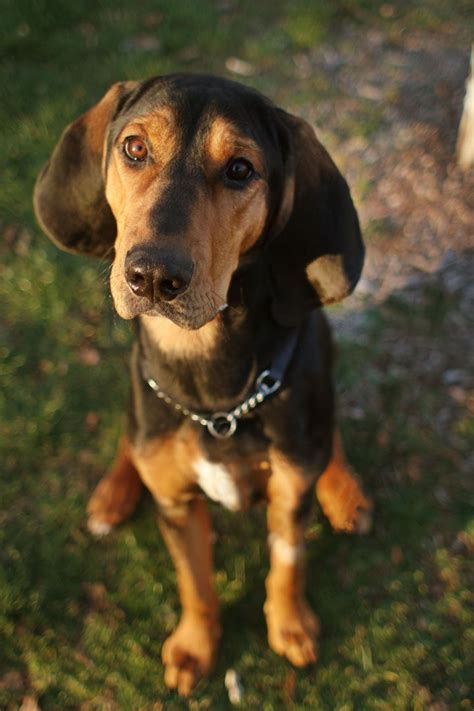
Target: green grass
{"points": [[82, 622]]}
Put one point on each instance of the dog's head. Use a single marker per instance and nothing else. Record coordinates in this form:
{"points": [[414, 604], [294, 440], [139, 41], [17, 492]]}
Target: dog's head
{"points": [[180, 178]]}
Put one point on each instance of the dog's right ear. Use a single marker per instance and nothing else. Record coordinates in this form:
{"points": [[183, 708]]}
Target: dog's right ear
{"points": [[69, 195]]}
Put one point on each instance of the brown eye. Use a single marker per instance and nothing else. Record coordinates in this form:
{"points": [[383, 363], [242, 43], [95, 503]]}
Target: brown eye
{"points": [[135, 149], [239, 170]]}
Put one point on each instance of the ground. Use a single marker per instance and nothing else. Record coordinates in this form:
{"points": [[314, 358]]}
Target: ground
{"points": [[82, 622]]}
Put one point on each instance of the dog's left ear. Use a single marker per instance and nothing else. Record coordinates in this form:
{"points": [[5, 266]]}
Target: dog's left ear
{"points": [[315, 248]]}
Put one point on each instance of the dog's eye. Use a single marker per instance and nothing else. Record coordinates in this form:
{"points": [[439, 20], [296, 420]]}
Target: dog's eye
{"points": [[135, 149], [239, 170]]}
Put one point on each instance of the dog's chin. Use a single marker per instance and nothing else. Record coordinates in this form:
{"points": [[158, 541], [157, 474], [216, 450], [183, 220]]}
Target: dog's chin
{"points": [[190, 320]]}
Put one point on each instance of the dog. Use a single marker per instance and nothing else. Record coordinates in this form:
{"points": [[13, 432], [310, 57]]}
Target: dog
{"points": [[228, 226]]}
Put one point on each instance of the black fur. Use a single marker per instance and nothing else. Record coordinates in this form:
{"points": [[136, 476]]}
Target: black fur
{"points": [[269, 292]]}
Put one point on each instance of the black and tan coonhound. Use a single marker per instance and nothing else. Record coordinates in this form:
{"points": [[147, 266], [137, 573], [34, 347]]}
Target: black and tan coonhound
{"points": [[228, 225]]}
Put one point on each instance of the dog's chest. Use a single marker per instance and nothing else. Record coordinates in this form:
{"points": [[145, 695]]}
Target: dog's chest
{"points": [[235, 482], [216, 480]]}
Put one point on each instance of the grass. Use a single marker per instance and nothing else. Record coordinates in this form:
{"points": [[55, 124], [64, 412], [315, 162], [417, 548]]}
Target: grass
{"points": [[82, 622]]}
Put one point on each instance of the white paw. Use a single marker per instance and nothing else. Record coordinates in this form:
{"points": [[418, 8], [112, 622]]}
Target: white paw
{"points": [[99, 529]]}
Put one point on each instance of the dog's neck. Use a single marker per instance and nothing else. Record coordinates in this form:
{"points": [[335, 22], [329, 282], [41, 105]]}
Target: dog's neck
{"points": [[213, 367], [207, 369]]}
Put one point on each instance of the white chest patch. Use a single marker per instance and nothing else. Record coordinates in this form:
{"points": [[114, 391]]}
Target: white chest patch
{"points": [[216, 481]]}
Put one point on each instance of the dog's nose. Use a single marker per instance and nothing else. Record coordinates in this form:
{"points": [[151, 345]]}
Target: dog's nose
{"points": [[157, 275]]}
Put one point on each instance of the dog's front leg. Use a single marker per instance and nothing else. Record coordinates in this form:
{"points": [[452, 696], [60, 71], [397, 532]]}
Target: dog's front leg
{"points": [[189, 652], [292, 625]]}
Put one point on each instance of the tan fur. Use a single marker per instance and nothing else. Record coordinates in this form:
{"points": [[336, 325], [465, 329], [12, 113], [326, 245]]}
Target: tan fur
{"points": [[327, 276], [340, 494], [292, 626], [131, 192], [117, 494], [244, 212], [61, 208], [97, 119], [176, 341], [159, 127], [166, 468], [223, 228], [286, 204], [225, 142], [165, 465], [224, 223]]}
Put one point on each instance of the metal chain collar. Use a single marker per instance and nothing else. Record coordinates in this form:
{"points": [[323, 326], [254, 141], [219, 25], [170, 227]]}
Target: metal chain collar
{"points": [[223, 424]]}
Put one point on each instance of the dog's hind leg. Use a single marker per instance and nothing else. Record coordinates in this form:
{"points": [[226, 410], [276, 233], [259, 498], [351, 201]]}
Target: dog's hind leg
{"points": [[340, 494], [116, 495]]}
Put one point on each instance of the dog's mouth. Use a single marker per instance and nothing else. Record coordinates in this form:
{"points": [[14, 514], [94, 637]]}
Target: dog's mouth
{"points": [[189, 320], [185, 312]]}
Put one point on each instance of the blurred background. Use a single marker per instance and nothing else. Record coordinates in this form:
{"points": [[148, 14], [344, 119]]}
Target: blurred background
{"points": [[82, 621]]}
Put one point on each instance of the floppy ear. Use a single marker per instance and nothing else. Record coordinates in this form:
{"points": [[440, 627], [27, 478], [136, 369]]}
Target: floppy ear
{"points": [[317, 253], [69, 195]]}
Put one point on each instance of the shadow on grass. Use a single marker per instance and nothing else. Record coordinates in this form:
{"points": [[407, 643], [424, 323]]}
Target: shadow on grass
{"points": [[86, 620]]}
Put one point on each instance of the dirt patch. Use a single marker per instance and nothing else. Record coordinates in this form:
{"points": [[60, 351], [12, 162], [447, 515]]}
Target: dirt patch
{"points": [[392, 125]]}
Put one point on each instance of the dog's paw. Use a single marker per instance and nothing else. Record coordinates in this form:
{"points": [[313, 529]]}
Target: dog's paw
{"points": [[98, 528], [361, 520], [189, 653], [344, 503], [293, 630]]}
